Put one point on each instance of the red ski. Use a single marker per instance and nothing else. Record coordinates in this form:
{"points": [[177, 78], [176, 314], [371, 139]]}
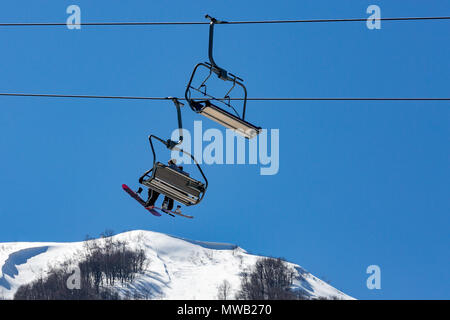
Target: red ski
{"points": [[135, 196]]}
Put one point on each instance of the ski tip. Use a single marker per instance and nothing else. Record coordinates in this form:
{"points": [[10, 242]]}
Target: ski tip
{"points": [[154, 212], [124, 186]]}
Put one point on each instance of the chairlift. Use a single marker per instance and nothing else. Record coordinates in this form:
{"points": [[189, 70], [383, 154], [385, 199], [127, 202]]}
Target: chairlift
{"points": [[175, 184], [213, 111]]}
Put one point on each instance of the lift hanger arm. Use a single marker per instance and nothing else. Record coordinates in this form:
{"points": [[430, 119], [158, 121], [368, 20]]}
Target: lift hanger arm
{"points": [[221, 73], [170, 143]]}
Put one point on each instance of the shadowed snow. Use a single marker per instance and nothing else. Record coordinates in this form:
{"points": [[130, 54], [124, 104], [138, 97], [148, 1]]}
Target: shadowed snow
{"points": [[20, 257]]}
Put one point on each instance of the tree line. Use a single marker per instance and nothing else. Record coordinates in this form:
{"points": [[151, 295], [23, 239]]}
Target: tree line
{"points": [[101, 264], [268, 279]]}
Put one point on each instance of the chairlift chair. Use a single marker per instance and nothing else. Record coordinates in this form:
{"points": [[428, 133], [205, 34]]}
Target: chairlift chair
{"points": [[206, 107], [175, 184]]}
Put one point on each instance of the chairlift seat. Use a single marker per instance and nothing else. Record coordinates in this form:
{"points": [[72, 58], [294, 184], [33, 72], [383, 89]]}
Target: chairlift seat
{"points": [[227, 119], [174, 184]]}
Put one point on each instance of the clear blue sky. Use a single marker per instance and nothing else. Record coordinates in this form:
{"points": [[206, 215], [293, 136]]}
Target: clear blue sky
{"points": [[360, 183]]}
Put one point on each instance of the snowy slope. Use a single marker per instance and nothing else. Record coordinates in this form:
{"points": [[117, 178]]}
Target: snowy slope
{"points": [[178, 268]]}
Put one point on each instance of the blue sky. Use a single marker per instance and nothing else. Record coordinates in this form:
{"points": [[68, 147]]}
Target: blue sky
{"points": [[360, 183]]}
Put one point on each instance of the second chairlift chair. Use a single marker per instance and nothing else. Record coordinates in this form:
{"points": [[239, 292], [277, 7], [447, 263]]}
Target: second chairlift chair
{"points": [[205, 107]]}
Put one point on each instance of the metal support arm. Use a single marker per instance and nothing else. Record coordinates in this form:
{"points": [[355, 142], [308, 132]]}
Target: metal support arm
{"points": [[221, 73], [170, 143]]}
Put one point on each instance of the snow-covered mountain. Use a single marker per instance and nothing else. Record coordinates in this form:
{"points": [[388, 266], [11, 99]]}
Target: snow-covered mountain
{"points": [[178, 268]]}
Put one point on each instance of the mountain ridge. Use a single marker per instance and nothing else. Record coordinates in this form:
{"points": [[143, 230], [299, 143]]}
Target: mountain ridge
{"points": [[179, 268]]}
